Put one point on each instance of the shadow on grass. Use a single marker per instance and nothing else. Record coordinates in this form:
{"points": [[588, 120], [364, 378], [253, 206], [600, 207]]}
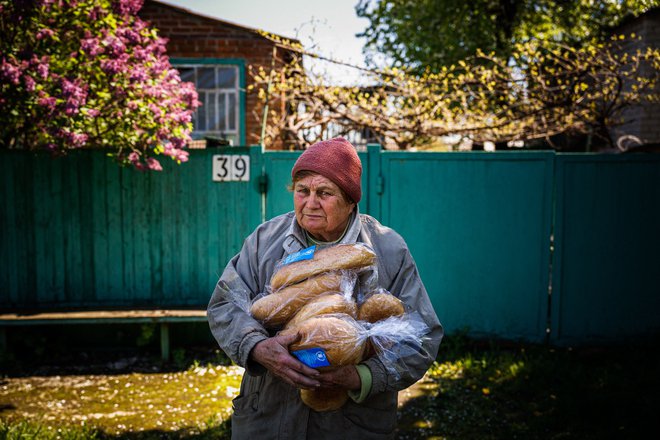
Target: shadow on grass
{"points": [[217, 432], [493, 391], [34, 430]]}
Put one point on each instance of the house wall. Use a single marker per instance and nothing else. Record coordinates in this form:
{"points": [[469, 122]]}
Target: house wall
{"points": [[643, 118], [193, 36]]}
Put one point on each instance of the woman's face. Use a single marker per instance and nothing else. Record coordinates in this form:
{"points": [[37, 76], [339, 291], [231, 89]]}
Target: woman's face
{"points": [[320, 207]]}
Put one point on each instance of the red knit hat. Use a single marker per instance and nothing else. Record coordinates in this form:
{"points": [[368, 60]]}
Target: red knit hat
{"points": [[337, 160]]}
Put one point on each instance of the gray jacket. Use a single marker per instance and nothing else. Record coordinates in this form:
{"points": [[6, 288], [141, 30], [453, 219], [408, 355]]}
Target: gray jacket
{"points": [[266, 407]]}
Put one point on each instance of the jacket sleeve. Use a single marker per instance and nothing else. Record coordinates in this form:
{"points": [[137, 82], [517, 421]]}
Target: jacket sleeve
{"points": [[232, 326], [412, 364]]}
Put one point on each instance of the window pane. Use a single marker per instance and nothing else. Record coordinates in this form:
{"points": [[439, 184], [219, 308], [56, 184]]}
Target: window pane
{"points": [[206, 78], [187, 74], [201, 112], [217, 86], [226, 77], [232, 111], [212, 113], [222, 126]]}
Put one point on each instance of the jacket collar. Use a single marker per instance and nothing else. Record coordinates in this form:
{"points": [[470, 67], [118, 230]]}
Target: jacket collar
{"points": [[295, 236]]}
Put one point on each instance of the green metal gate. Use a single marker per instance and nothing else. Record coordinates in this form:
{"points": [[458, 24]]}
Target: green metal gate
{"points": [[606, 268], [479, 226]]}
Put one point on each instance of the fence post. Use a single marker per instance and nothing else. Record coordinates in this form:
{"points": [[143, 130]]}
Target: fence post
{"points": [[3, 340], [259, 184], [164, 341], [374, 180]]}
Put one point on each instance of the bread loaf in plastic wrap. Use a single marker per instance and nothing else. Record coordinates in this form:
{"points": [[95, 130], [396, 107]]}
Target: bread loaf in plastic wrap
{"points": [[337, 257]]}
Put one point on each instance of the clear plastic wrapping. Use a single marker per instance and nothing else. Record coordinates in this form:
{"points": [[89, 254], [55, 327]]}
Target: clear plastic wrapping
{"points": [[378, 305], [312, 261], [338, 339], [329, 303], [343, 269], [396, 339], [277, 308], [328, 341]]}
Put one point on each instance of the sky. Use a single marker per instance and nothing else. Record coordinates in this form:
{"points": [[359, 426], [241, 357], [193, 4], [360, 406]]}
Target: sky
{"points": [[327, 28]]}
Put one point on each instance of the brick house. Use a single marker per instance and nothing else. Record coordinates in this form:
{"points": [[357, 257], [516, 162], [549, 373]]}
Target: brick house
{"points": [[215, 55], [643, 119]]}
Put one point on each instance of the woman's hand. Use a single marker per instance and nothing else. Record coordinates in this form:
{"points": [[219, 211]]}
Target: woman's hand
{"points": [[345, 377], [273, 353]]}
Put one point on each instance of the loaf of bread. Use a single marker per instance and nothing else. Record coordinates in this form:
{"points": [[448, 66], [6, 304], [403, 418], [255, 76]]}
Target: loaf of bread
{"points": [[340, 336], [278, 307], [337, 257], [323, 305], [325, 399], [380, 306]]}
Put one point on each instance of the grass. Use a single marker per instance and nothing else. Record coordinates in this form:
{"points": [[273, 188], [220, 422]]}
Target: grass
{"points": [[504, 391], [27, 430], [147, 405], [476, 390]]}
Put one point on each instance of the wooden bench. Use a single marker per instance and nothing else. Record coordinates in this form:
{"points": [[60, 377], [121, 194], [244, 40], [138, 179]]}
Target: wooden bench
{"points": [[161, 317]]}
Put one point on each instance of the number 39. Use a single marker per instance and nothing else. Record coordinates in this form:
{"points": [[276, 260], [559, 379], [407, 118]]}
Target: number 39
{"points": [[231, 168]]}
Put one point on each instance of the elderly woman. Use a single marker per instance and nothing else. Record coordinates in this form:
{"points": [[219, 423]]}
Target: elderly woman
{"points": [[326, 190]]}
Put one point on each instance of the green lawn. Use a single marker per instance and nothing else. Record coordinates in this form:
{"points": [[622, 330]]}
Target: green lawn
{"points": [[535, 392], [476, 390], [182, 404]]}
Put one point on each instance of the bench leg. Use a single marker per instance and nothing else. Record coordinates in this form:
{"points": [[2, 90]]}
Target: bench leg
{"points": [[164, 341], [3, 340]]}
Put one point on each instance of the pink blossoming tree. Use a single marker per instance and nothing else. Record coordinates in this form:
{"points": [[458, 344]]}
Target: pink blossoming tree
{"points": [[90, 73]]}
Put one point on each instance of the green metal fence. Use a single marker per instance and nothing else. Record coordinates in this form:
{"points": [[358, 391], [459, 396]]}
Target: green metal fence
{"points": [[606, 268], [479, 224], [79, 232]]}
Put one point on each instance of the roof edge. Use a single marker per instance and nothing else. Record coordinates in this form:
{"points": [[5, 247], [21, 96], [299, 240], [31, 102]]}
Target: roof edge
{"points": [[262, 33]]}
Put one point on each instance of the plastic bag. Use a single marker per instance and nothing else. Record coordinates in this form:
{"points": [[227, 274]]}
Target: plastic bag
{"points": [[312, 272], [278, 307], [312, 261], [334, 340], [328, 341], [378, 305], [397, 338], [329, 303]]}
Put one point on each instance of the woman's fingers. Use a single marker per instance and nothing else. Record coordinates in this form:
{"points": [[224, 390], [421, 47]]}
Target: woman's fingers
{"points": [[304, 369], [300, 374], [299, 380], [293, 377], [273, 354], [296, 373]]}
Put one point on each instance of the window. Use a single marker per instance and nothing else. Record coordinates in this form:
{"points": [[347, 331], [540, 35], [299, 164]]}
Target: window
{"points": [[218, 87]]}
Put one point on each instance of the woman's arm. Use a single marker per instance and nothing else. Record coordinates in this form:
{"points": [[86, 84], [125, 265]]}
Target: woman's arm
{"points": [[228, 311], [410, 365], [242, 337]]}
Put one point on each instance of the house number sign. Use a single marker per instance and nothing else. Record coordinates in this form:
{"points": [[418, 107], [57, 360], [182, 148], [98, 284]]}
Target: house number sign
{"points": [[231, 168]]}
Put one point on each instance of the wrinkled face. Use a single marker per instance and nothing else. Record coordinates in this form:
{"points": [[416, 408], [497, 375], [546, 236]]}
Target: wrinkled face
{"points": [[321, 208]]}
